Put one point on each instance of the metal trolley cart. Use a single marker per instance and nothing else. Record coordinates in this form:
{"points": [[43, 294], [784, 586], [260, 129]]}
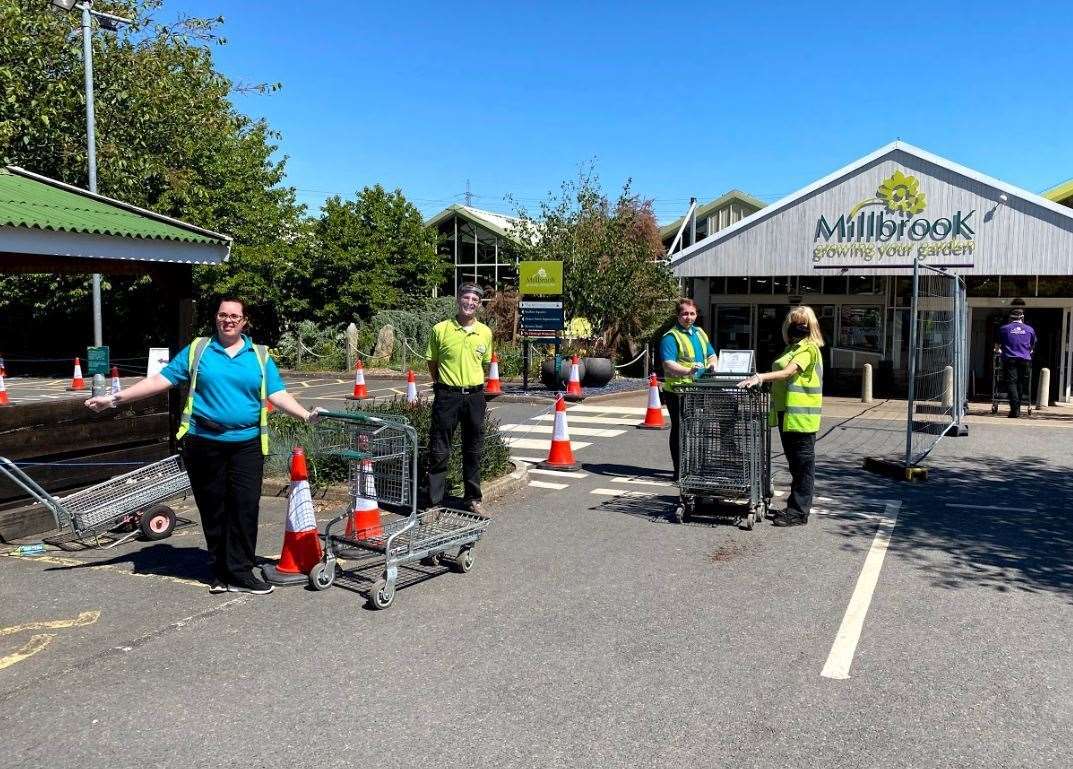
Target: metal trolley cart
{"points": [[382, 456], [128, 505], [724, 447], [999, 392]]}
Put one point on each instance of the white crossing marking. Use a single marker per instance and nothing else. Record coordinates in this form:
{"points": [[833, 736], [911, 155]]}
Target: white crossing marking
{"points": [[546, 485], [591, 432], [641, 481], [559, 473], [866, 516], [849, 633], [623, 493], [535, 443], [993, 507], [598, 420], [640, 410]]}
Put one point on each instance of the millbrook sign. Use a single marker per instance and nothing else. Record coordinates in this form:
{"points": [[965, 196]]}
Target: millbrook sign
{"points": [[883, 234]]}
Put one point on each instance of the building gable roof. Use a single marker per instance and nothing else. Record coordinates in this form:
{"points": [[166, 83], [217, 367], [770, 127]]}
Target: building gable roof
{"points": [[1063, 193], [704, 210], [500, 224], [701, 246]]}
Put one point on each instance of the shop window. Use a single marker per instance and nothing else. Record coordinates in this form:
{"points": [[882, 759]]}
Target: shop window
{"points": [[810, 284], [467, 243], [737, 285], [1054, 285], [861, 285], [780, 285], [760, 286], [861, 327], [1017, 286], [977, 285], [445, 245], [702, 228], [716, 286], [486, 246]]}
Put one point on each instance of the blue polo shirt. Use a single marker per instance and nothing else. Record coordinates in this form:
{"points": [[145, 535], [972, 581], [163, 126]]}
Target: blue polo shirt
{"points": [[228, 389], [668, 348]]}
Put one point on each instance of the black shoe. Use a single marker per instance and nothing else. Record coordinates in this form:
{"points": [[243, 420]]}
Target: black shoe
{"points": [[218, 586], [249, 584], [789, 520]]}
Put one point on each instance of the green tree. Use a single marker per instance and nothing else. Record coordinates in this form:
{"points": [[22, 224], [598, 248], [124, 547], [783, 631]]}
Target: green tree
{"points": [[613, 268], [372, 253]]}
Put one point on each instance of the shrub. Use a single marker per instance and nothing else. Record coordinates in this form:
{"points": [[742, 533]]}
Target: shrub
{"points": [[326, 468]]}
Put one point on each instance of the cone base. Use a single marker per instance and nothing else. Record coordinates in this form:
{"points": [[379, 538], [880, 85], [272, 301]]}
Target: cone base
{"points": [[547, 465], [73, 389], [643, 426], [283, 578], [573, 398], [489, 395], [360, 397]]}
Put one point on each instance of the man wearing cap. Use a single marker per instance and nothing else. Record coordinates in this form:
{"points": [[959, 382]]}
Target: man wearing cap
{"points": [[457, 352], [1017, 342]]}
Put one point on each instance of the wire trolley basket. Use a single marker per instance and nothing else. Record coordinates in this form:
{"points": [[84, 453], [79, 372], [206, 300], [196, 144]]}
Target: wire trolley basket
{"points": [[381, 453], [133, 500], [724, 447]]}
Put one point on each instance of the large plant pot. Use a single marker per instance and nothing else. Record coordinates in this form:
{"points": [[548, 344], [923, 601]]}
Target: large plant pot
{"points": [[598, 371], [557, 381]]}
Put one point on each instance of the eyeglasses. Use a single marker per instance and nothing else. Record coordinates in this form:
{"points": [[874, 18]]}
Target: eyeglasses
{"points": [[232, 318]]}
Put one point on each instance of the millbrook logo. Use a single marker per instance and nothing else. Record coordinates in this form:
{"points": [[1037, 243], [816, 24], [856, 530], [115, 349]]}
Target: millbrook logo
{"points": [[900, 197]]}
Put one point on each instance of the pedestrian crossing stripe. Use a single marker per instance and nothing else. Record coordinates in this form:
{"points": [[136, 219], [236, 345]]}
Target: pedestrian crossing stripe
{"points": [[583, 409], [642, 481], [623, 493], [593, 420], [548, 485], [591, 432], [559, 473], [515, 442]]}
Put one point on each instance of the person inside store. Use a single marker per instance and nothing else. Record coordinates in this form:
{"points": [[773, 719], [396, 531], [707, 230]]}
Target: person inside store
{"points": [[458, 349], [223, 433], [1017, 343], [686, 353], [796, 379]]}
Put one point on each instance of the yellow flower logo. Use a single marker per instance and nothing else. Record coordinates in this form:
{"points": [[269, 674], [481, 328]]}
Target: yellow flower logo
{"points": [[901, 194]]}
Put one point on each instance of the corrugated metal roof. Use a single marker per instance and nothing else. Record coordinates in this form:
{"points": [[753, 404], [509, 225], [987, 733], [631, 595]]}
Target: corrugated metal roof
{"points": [[37, 202], [705, 209], [1063, 193], [501, 224]]}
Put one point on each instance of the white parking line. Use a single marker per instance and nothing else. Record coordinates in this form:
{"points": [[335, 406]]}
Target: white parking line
{"points": [[559, 473], [623, 493], [849, 633], [546, 485], [535, 443], [641, 481], [640, 410], [591, 432], [584, 420], [993, 507]]}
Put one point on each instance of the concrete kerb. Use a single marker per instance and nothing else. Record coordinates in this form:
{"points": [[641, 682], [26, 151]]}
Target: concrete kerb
{"points": [[501, 487]]}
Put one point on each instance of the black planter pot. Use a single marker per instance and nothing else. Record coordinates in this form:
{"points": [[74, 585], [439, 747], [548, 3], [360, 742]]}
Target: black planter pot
{"points": [[548, 375], [598, 371]]}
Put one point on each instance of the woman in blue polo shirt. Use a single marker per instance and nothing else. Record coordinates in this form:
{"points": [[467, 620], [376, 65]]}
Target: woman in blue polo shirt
{"points": [[225, 441], [686, 353]]}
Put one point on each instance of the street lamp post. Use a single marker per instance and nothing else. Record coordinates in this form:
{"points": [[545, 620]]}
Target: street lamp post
{"points": [[109, 21]]}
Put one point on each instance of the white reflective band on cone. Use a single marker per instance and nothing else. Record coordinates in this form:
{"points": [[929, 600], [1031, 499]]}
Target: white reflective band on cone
{"points": [[300, 516]]}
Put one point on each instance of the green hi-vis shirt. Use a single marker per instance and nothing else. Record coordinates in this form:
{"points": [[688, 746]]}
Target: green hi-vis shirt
{"points": [[460, 352]]}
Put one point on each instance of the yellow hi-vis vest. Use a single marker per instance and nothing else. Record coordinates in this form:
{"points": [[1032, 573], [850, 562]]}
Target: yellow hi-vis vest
{"points": [[686, 356], [197, 349], [804, 393]]}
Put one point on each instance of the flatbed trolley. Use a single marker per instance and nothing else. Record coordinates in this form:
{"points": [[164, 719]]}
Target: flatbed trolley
{"points": [[724, 447], [382, 455], [999, 391], [123, 507]]}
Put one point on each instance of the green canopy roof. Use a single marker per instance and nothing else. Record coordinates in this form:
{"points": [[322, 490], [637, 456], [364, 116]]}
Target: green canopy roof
{"points": [[37, 202]]}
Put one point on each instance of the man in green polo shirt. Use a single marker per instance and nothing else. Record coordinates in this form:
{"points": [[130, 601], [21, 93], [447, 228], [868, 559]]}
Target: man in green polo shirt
{"points": [[456, 354]]}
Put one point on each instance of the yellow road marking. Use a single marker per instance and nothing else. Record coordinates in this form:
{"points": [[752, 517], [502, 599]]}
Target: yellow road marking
{"points": [[29, 649], [85, 618]]}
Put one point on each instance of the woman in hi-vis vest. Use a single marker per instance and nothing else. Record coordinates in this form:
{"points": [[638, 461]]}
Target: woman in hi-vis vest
{"points": [[796, 402]]}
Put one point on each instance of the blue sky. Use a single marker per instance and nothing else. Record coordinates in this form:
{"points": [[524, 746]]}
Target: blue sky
{"points": [[685, 98]]}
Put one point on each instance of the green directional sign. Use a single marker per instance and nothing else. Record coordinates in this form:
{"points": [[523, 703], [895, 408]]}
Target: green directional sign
{"points": [[97, 361], [541, 278]]}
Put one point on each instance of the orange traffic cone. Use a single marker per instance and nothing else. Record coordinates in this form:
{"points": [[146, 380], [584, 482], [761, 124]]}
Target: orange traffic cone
{"points": [[364, 521], [573, 385], [654, 413], [411, 387], [116, 385], [560, 454], [4, 399], [361, 392], [492, 386], [301, 542], [77, 382]]}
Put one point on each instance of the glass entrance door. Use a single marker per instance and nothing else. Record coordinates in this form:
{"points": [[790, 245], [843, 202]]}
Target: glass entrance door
{"points": [[733, 327]]}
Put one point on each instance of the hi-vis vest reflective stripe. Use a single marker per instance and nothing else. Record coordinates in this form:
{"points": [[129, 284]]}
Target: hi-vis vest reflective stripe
{"points": [[804, 398], [686, 356], [197, 349]]}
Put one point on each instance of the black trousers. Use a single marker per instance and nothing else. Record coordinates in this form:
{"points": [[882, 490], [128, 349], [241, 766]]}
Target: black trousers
{"points": [[673, 402], [800, 450], [448, 409], [1017, 388], [226, 479]]}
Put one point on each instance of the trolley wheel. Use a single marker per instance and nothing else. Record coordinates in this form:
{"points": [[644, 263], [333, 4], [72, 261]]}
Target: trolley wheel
{"points": [[994, 408], [322, 575], [749, 521], [157, 523], [380, 597], [463, 562]]}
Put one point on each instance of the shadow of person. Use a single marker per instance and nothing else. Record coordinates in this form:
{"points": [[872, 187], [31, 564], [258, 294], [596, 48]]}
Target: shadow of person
{"points": [[161, 559]]}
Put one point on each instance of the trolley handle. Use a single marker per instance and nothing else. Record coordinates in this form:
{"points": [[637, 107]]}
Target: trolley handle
{"points": [[17, 476], [352, 416]]}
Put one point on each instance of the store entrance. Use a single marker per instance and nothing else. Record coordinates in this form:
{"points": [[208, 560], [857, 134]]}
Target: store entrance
{"points": [[986, 321], [769, 342]]}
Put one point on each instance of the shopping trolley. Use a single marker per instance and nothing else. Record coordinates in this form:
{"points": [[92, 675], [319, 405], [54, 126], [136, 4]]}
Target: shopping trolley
{"points": [[724, 448], [381, 453], [1000, 392], [132, 502]]}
